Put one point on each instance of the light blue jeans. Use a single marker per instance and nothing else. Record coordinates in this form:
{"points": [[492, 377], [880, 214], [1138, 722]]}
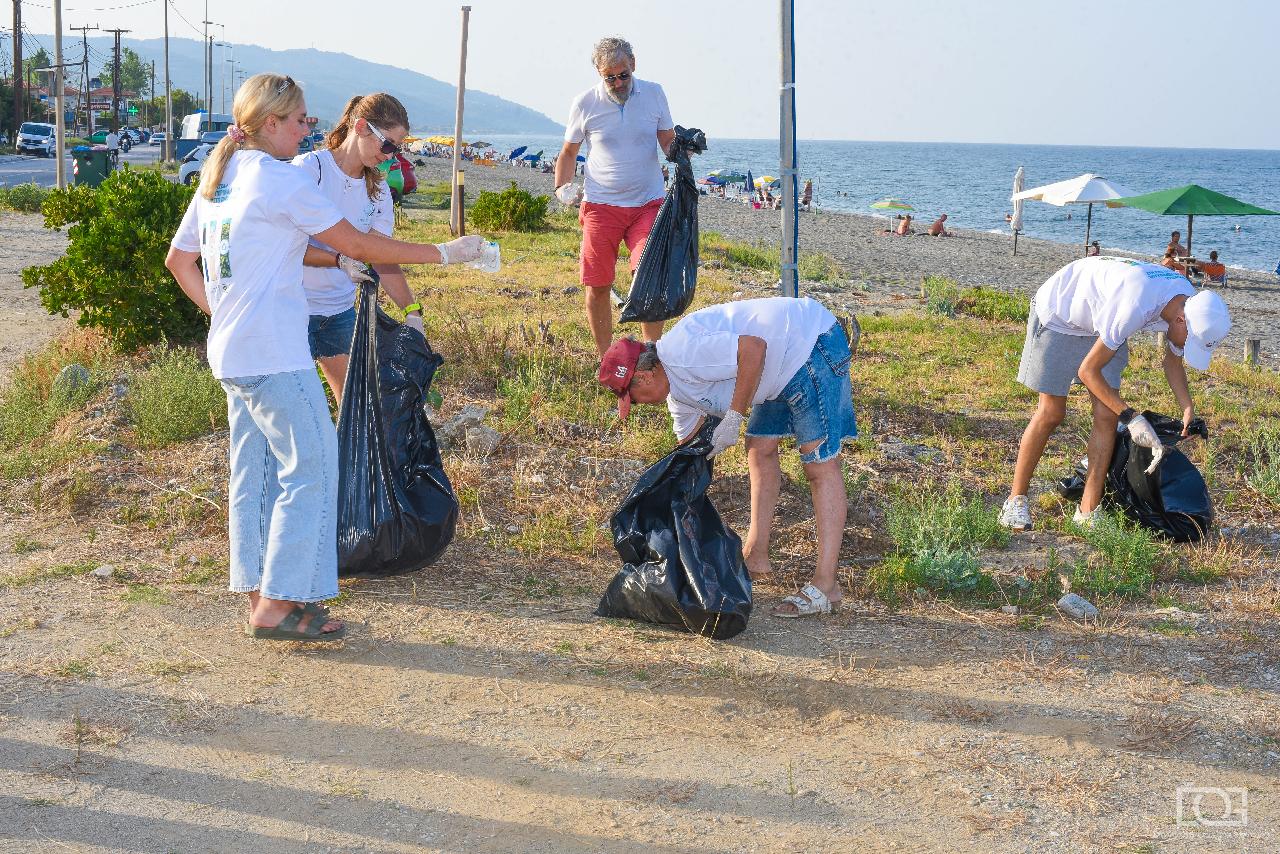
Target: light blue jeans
{"points": [[283, 498]]}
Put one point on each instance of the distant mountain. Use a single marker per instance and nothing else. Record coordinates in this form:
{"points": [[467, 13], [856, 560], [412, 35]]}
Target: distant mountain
{"points": [[330, 79]]}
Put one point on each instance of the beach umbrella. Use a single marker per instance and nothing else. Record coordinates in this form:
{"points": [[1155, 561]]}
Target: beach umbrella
{"points": [[1087, 189], [891, 204], [516, 152], [748, 183], [482, 145], [1015, 224], [766, 181], [1192, 200], [726, 175]]}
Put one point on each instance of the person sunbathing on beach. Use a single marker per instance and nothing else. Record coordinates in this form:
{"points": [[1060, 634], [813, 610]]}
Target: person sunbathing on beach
{"points": [[1213, 269], [939, 228], [904, 226], [1170, 260], [806, 197]]}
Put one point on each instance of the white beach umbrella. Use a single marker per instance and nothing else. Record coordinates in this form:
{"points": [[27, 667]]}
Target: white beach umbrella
{"points": [[1015, 224], [1087, 189]]}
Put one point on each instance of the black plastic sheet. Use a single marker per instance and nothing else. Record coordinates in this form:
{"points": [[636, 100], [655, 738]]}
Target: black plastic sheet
{"points": [[1173, 500], [682, 566], [667, 272], [396, 508]]}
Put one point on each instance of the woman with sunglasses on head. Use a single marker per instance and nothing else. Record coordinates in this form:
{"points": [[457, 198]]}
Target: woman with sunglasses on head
{"points": [[346, 173], [248, 227]]}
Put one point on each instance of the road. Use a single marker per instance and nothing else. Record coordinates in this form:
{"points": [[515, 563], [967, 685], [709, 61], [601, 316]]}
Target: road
{"points": [[23, 169]]}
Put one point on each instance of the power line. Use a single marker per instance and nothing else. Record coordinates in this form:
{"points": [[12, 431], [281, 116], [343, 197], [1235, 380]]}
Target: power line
{"points": [[197, 30]]}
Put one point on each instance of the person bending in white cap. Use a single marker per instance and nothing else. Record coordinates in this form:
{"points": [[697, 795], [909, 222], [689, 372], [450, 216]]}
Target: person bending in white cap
{"points": [[1079, 326]]}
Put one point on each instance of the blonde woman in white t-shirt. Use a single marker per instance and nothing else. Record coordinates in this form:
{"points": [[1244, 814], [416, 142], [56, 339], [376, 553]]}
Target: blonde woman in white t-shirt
{"points": [[238, 256], [371, 130]]}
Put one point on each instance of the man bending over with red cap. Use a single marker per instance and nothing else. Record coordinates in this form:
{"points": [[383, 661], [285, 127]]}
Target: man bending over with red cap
{"points": [[788, 361]]}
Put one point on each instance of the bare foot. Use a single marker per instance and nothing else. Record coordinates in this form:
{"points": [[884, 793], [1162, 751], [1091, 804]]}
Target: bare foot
{"points": [[269, 612], [758, 566]]}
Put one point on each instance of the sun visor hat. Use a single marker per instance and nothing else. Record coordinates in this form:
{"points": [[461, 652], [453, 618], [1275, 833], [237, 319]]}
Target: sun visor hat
{"points": [[1208, 322]]}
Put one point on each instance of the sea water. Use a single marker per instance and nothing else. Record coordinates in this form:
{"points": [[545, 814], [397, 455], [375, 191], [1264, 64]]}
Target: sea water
{"points": [[971, 183]]}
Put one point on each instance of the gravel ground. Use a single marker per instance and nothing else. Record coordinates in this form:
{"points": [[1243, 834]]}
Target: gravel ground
{"points": [[24, 324], [886, 265]]}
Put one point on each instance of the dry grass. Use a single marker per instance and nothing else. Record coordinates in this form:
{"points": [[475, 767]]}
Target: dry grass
{"points": [[1155, 728]]}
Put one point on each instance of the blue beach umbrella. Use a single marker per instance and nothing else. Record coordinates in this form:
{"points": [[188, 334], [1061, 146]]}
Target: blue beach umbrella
{"points": [[749, 185], [517, 152]]}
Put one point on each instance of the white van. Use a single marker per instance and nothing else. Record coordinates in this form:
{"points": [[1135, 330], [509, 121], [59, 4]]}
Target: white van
{"points": [[37, 138]]}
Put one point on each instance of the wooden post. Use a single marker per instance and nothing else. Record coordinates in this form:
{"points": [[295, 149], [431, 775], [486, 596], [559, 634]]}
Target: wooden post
{"points": [[852, 330], [1015, 243], [1252, 351], [457, 217], [924, 287]]}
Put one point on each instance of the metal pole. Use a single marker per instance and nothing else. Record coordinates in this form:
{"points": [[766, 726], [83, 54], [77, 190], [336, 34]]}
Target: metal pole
{"points": [[167, 152], [1088, 224], [790, 283], [1189, 234], [457, 217], [18, 97], [59, 124], [204, 63]]}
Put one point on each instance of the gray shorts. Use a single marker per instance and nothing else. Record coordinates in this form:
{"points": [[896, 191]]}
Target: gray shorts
{"points": [[1051, 360]]}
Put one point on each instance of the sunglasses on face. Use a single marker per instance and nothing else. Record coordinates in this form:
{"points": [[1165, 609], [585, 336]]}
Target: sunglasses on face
{"points": [[389, 148], [621, 75]]}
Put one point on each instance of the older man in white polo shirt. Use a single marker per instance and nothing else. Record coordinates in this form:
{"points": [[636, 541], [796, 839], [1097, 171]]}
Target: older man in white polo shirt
{"points": [[1079, 327], [625, 120]]}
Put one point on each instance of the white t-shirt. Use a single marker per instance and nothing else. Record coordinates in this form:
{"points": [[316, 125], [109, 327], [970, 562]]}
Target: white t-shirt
{"points": [[1112, 298], [329, 290], [622, 165], [112, 141], [700, 353], [251, 238]]}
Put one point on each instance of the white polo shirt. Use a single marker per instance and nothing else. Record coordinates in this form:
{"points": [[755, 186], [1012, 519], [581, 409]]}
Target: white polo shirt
{"points": [[622, 165], [1112, 298]]}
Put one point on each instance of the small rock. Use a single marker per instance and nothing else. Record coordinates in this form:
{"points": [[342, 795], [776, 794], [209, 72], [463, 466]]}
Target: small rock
{"points": [[482, 441], [69, 380], [513, 529], [104, 571], [571, 290], [1077, 606], [1010, 609]]}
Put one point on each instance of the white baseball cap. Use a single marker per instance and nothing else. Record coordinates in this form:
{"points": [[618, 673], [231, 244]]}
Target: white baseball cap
{"points": [[1208, 322]]}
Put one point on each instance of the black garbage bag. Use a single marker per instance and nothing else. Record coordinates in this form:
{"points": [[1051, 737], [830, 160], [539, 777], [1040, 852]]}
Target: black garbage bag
{"points": [[682, 566], [667, 272], [1173, 500], [396, 508]]}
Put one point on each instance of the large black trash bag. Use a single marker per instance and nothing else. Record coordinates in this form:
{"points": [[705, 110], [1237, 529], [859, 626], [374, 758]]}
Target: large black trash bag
{"points": [[396, 508], [682, 565], [1173, 500], [667, 273]]}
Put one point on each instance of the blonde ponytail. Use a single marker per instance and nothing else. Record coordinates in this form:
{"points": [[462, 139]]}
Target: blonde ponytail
{"points": [[258, 99]]}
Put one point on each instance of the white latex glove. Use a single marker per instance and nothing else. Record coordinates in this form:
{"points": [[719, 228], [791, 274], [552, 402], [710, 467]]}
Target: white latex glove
{"points": [[1142, 433], [725, 435], [460, 250], [414, 321], [357, 270], [569, 194]]}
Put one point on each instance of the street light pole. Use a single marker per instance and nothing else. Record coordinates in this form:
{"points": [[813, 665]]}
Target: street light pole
{"points": [[167, 152], [59, 124]]}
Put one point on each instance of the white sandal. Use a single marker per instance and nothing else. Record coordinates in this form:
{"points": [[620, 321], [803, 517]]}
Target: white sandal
{"points": [[809, 602]]}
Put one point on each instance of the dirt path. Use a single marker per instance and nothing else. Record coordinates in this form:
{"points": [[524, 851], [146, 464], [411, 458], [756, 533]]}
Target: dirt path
{"points": [[24, 324]]}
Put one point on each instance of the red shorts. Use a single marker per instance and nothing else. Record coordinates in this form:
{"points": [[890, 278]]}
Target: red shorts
{"points": [[604, 227]]}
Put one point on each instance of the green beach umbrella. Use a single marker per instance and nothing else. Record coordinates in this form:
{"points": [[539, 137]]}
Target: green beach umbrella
{"points": [[1192, 200], [891, 204]]}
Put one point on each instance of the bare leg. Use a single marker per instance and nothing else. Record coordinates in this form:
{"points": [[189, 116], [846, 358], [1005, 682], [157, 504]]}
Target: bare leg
{"points": [[830, 508], [766, 481], [334, 369], [1048, 415], [1102, 442], [652, 331], [600, 317]]}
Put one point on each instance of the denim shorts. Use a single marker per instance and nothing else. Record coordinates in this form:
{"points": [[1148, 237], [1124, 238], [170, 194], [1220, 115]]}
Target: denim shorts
{"points": [[817, 403], [330, 335]]}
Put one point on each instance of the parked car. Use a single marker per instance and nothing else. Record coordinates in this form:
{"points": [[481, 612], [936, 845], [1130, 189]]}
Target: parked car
{"points": [[212, 137], [37, 138], [134, 134], [100, 138], [189, 170], [158, 138]]}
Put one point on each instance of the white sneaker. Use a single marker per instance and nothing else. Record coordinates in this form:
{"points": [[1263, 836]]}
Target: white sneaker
{"points": [[1016, 513], [1087, 520]]}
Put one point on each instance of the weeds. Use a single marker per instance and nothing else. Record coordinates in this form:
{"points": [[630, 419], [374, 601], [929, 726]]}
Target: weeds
{"points": [[23, 198], [176, 398], [35, 400], [1123, 560], [945, 297], [715, 247], [1265, 474], [817, 267]]}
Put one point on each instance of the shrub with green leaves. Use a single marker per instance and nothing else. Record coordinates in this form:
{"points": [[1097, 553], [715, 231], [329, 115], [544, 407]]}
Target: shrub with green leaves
{"points": [[176, 398], [513, 209], [23, 198], [945, 297], [816, 267], [1123, 559], [1264, 476], [113, 272]]}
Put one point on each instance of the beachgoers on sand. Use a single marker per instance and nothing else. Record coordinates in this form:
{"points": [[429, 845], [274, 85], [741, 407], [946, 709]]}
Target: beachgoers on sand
{"points": [[939, 227]]}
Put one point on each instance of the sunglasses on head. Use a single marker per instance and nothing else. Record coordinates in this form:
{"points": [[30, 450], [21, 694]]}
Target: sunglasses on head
{"points": [[389, 148], [621, 75]]}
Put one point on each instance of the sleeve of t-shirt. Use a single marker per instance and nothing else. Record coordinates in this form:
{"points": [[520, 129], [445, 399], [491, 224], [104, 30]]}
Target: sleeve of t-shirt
{"points": [[574, 131], [307, 208], [665, 121], [684, 418], [187, 237], [384, 213]]}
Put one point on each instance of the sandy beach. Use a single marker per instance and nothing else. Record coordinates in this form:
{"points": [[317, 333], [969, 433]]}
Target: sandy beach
{"points": [[892, 265]]}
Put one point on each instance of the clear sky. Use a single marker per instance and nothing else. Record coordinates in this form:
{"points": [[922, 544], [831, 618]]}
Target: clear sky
{"points": [[1182, 73]]}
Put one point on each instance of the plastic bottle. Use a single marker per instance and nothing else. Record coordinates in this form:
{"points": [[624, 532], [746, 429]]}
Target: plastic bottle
{"points": [[490, 260]]}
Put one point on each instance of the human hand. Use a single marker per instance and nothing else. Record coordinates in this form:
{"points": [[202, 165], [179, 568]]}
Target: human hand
{"points": [[725, 435], [357, 270], [569, 194], [460, 250], [414, 321], [1188, 415], [1142, 433]]}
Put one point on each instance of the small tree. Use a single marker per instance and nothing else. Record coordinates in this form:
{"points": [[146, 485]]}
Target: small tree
{"points": [[113, 272], [511, 210]]}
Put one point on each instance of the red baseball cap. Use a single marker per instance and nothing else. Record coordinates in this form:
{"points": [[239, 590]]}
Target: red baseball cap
{"points": [[618, 368]]}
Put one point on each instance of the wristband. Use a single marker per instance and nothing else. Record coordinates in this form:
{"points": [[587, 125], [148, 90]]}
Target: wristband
{"points": [[337, 260], [1127, 415], [412, 307], [444, 254]]}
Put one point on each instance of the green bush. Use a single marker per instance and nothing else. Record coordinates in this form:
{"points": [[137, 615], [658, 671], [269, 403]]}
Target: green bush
{"points": [[511, 210], [176, 398], [816, 267], [945, 296], [713, 246], [1123, 560], [113, 272], [23, 198], [1265, 473]]}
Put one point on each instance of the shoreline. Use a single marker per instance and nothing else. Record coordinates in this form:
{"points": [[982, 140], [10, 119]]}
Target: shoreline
{"points": [[894, 266]]}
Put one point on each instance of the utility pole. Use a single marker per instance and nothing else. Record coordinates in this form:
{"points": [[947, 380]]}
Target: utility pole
{"points": [[208, 68], [86, 99], [167, 152], [18, 96], [789, 283], [60, 122], [115, 82], [457, 216], [152, 93]]}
